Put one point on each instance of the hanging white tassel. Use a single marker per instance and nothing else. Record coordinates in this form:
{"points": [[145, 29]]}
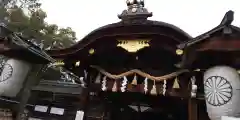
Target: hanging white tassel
{"points": [[176, 84], [164, 87], [134, 82], [114, 89], [145, 85], [98, 78], [124, 83], [154, 89], [194, 87], [104, 83]]}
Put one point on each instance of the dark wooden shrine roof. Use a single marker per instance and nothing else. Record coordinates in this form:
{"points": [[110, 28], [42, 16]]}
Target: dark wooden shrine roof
{"points": [[216, 34], [15, 46], [51, 81], [224, 37], [121, 28], [219, 45], [58, 87]]}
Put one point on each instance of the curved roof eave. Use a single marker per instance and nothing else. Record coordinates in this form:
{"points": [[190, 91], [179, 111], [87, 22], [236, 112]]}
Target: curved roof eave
{"points": [[92, 34], [206, 36], [226, 22], [177, 29]]}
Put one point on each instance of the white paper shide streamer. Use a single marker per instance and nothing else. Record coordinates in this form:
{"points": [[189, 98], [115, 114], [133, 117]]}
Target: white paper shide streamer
{"points": [[194, 87], [222, 92], [104, 83], [13, 74], [145, 85], [124, 83], [164, 87]]}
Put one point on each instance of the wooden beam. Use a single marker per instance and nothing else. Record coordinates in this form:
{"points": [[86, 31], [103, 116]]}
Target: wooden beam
{"points": [[192, 109], [32, 79], [188, 57], [59, 88], [220, 44]]}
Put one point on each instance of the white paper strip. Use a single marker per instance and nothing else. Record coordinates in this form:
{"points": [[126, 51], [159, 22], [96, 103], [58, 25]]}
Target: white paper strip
{"points": [[79, 115], [124, 83], [145, 85], [104, 83]]}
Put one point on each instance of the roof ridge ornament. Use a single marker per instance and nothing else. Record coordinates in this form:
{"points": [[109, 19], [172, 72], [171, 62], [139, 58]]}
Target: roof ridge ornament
{"points": [[225, 25], [135, 11], [228, 18], [135, 3]]}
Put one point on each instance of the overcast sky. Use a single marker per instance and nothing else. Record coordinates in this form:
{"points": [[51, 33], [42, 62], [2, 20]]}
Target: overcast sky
{"points": [[192, 16]]}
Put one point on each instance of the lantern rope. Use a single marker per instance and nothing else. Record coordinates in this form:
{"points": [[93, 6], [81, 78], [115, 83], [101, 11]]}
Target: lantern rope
{"points": [[139, 72]]}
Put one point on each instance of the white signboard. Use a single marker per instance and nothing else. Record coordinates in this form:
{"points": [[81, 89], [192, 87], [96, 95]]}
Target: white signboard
{"points": [[229, 118], [57, 111], [79, 115], [34, 119], [40, 108]]}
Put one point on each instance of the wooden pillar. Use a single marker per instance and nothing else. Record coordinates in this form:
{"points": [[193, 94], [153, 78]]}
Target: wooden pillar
{"points": [[114, 111], [32, 78], [192, 109], [87, 95]]}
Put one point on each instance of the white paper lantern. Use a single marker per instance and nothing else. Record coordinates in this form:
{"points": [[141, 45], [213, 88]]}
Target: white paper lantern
{"points": [[222, 92], [13, 73]]}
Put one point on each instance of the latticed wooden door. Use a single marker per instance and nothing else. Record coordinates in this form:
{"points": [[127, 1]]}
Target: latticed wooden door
{"points": [[5, 114]]}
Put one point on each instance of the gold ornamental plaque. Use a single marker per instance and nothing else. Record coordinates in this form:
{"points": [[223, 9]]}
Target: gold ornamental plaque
{"points": [[133, 45]]}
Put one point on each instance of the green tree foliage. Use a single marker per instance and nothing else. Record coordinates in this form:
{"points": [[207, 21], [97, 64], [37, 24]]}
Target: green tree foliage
{"points": [[33, 26]]}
